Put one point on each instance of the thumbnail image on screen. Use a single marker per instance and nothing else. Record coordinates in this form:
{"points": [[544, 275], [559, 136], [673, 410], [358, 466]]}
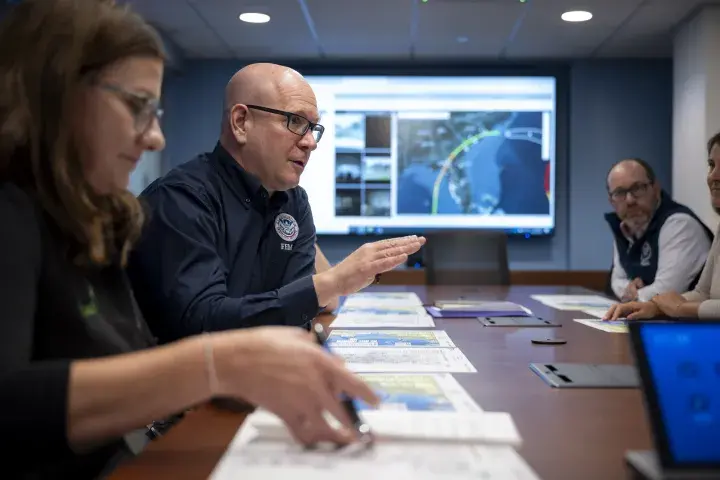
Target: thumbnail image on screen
{"points": [[363, 164], [421, 153]]}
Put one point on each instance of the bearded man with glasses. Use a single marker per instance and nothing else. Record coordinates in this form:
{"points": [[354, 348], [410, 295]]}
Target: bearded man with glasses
{"points": [[660, 245], [230, 241]]}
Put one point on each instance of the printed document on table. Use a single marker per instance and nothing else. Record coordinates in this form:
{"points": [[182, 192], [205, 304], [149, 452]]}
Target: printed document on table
{"points": [[386, 310], [418, 392], [251, 457], [389, 338], [483, 428], [380, 319], [374, 299], [403, 297], [611, 326], [574, 302], [379, 303], [389, 359], [595, 312]]}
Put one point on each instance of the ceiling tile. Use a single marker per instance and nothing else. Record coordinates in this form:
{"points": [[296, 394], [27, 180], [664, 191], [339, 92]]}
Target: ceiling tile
{"points": [[363, 27], [377, 29], [483, 27], [544, 34], [182, 24], [286, 35], [650, 30], [180, 16]]}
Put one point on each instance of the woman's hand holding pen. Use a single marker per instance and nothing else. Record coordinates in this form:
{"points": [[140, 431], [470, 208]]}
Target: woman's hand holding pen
{"points": [[283, 370]]}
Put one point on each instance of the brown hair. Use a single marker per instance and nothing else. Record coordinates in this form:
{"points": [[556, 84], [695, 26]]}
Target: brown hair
{"points": [[715, 139], [50, 49]]}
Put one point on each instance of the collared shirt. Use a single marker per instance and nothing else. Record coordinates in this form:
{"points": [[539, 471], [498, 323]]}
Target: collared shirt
{"points": [[682, 250], [219, 253], [707, 290]]}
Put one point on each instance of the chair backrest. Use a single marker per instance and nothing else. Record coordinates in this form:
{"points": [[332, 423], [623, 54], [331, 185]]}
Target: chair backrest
{"points": [[466, 258], [608, 285]]}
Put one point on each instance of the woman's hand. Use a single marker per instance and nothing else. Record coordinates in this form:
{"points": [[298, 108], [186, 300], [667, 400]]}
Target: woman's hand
{"points": [[284, 371], [670, 303], [632, 311]]}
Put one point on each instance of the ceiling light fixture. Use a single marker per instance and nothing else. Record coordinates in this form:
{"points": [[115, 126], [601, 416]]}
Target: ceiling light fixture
{"points": [[254, 17], [576, 16]]}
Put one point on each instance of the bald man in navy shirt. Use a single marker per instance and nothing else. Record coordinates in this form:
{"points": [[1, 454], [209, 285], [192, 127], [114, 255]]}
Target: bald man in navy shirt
{"points": [[230, 241]]}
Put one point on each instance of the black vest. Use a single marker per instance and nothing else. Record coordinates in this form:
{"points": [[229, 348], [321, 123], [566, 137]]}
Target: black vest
{"points": [[640, 259]]}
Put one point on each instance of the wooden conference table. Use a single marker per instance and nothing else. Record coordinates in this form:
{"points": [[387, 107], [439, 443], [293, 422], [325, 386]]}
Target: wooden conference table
{"points": [[566, 434]]}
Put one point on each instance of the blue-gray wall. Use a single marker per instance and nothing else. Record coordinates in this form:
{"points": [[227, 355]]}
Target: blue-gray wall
{"points": [[616, 109]]}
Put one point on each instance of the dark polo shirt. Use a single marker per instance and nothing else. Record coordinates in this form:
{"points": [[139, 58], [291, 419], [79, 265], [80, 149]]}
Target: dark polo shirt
{"points": [[218, 252]]}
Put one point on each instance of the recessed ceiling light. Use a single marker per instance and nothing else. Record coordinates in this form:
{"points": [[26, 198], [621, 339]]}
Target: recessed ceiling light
{"points": [[576, 16], [462, 39], [254, 17]]}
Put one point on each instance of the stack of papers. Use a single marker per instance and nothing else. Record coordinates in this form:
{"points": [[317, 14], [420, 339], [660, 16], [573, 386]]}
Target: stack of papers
{"points": [[595, 312], [481, 427], [426, 426], [418, 392], [611, 326], [254, 457], [398, 359], [390, 316], [468, 309], [378, 310], [574, 302], [383, 299], [389, 338], [398, 351]]}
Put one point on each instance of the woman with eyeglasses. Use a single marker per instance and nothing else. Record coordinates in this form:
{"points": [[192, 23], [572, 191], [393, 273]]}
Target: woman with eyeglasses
{"points": [[78, 382], [704, 300]]}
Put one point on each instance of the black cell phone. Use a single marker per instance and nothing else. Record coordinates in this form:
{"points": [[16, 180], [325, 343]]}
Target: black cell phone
{"points": [[548, 341]]}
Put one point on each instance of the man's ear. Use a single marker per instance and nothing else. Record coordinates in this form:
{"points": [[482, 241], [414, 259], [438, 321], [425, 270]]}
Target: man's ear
{"points": [[239, 123]]}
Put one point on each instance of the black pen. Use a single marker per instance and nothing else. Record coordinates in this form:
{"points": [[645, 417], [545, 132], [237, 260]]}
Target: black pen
{"points": [[362, 428]]}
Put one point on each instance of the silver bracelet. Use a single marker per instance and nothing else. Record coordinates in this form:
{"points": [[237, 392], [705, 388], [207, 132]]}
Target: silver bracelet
{"points": [[210, 365]]}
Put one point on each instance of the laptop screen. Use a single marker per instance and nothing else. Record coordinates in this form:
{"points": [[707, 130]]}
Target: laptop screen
{"points": [[681, 379]]}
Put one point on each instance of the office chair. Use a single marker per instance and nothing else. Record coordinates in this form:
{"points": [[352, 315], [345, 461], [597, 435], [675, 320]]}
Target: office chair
{"points": [[466, 258], [608, 285]]}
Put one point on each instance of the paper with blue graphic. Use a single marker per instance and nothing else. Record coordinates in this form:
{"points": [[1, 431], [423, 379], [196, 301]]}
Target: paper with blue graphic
{"points": [[389, 338], [383, 317], [610, 326], [418, 392], [574, 302], [382, 300], [405, 360], [387, 310]]}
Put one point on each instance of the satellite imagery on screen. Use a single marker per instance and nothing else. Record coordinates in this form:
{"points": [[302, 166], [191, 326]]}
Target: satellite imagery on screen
{"points": [[415, 154], [472, 163], [482, 163]]}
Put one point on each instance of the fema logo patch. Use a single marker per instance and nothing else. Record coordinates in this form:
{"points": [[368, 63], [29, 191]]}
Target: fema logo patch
{"points": [[286, 227], [645, 255]]}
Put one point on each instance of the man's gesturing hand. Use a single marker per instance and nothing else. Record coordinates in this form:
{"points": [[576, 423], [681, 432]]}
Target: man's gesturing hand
{"points": [[358, 270]]}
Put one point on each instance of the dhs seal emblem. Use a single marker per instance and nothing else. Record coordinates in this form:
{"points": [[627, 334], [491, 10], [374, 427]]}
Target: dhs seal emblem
{"points": [[286, 227]]}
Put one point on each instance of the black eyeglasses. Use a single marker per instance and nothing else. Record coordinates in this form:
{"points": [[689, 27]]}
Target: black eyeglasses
{"points": [[637, 190], [297, 124], [143, 109]]}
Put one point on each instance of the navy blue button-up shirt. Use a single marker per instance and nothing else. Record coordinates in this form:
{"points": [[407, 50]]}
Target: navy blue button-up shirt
{"points": [[218, 252]]}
